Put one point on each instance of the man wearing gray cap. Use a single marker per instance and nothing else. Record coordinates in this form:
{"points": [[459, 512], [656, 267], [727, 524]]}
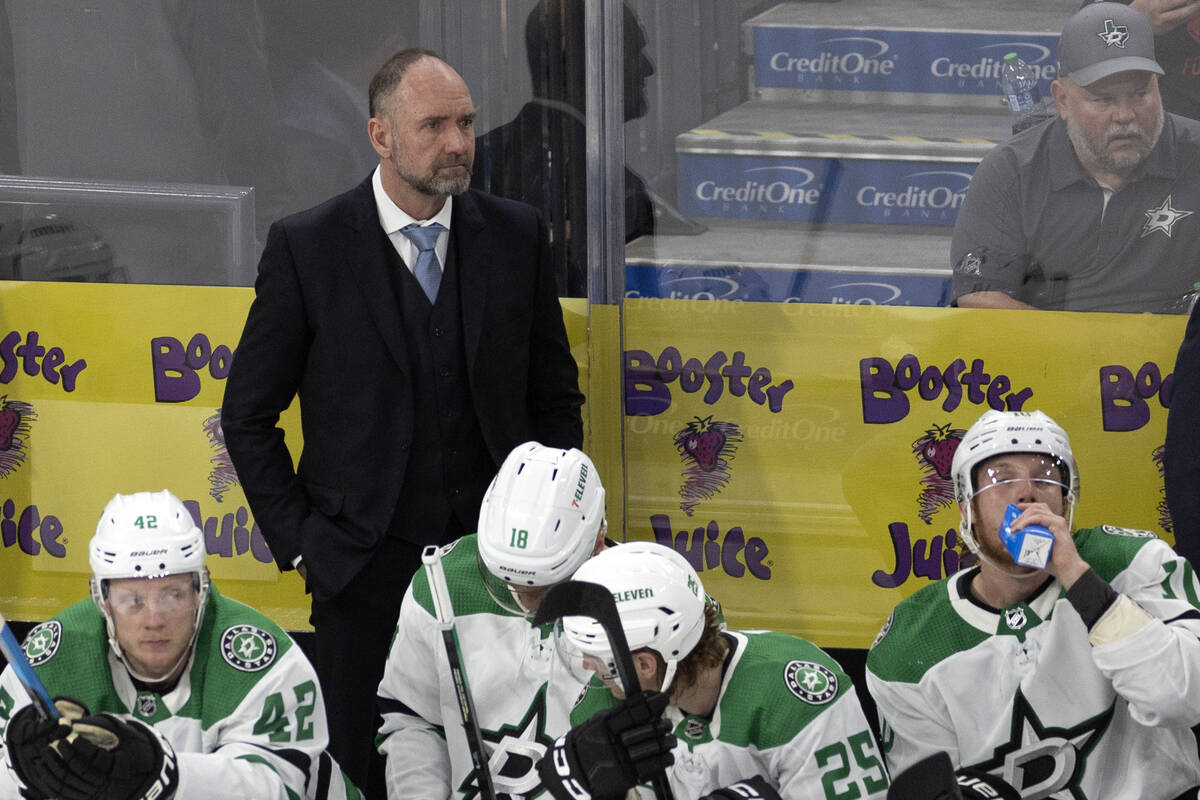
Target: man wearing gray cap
{"points": [[1094, 210]]}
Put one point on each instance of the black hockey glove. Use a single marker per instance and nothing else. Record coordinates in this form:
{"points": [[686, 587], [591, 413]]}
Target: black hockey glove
{"points": [[612, 752], [134, 763], [934, 778], [30, 746], [755, 788], [975, 784]]}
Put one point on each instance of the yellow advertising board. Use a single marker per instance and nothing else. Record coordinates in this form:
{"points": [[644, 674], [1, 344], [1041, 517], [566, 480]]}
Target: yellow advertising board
{"points": [[117, 388], [790, 451], [799, 454]]}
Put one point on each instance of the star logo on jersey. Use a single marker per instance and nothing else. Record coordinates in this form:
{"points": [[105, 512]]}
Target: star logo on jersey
{"points": [[248, 648], [1163, 218], [513, 754], [813, 683], [42, 642], [1114, 34], [1040, 760]]}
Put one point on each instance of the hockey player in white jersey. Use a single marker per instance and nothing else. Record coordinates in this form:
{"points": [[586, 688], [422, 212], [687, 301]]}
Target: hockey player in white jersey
{"points": [[166, 687], [754, 714], [1078, 680], [540, 519]]}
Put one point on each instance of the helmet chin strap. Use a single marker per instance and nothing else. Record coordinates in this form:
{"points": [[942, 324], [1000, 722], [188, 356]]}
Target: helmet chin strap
{"points": [[97, 596], [668, 676], [187, 654]]}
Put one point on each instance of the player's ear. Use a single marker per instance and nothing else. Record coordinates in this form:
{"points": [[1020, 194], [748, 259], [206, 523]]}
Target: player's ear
{"points": [[646, 666], [379, 130]]}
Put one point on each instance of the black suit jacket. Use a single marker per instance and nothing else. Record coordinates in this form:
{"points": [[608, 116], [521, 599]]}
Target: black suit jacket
{"points": [[325, 326]]}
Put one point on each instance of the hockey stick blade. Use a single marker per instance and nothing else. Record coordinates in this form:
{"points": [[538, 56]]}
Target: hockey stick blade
{"points": [[24, 672], [583, 599], [444, 612]]}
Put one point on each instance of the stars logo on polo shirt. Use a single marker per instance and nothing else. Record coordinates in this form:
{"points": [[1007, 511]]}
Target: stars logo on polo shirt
{"points": [[1041, 760], [1114, 34], [1163, 218]]}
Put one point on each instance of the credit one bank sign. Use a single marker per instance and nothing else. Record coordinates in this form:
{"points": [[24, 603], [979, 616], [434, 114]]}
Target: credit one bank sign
{"points": [[882, 60], [822, 190]]}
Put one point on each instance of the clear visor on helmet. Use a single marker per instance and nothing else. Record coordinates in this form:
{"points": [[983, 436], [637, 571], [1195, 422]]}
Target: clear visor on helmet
{"points": [[131, 599], [584, 653], [512, 597], [1042, 478]]}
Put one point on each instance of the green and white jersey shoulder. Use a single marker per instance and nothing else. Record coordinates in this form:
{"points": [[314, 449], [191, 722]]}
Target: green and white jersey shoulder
{"points": [[1021, 692], [247, 718], [786, 711], [521, 691]]}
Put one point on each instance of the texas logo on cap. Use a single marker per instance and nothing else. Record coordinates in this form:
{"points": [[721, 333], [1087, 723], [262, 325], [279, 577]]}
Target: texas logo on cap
{"points": [[1113, 34]]}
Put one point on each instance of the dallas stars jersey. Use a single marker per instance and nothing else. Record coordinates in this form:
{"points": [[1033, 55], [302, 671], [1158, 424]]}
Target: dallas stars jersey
{"points": [[522, 693], [246, 719], [1021, 693], [785, 711]]}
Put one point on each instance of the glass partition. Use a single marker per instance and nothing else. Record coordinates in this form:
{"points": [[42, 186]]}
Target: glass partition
{"points": [[810, 159]]}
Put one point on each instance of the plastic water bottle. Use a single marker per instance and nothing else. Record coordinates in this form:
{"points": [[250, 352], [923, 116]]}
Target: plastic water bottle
{"points": [[1019, 83]]}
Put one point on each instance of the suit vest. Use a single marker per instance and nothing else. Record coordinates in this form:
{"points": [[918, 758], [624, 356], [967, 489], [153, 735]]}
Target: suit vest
{"points": [[449, 466]]}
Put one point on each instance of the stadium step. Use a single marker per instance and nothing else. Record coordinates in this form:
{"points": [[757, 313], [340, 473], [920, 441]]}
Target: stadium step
{"points": [[848, 164]]}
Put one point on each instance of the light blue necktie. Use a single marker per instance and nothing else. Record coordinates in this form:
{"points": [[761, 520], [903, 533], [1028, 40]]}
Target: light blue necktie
{"points": [[427, 270]]}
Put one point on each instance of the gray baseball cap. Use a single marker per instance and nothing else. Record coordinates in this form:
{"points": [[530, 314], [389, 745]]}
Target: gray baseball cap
{"points": [[1105, 38]]}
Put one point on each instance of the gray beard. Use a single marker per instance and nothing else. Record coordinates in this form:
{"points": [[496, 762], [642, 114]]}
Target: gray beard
{"points": [[437, 186], [1105, 160]]}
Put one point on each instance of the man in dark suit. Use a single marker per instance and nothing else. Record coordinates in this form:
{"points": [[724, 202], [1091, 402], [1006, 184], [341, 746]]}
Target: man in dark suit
{"points": [[411, 393]]}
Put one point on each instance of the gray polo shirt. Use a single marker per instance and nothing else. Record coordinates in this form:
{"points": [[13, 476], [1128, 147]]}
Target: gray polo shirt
{"points": [[1034, 226]]}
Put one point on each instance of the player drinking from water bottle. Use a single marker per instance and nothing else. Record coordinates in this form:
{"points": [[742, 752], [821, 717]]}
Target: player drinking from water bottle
{"points": [[1081, 679]]}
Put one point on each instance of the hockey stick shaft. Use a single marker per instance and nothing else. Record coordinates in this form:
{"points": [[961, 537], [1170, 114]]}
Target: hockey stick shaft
{"points": [[443, 609], [583, 599], [24, 672]]}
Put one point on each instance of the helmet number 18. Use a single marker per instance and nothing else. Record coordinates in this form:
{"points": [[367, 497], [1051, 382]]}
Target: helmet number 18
{"points": [[519, 538]]}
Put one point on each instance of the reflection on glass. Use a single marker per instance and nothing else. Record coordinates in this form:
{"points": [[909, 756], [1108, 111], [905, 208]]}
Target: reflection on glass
{"points": [[540, 156]]}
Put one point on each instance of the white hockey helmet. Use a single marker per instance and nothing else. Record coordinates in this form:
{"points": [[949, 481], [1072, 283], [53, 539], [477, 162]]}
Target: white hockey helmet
{"points": [[998, 432], [659, 597], [538, 520], [146, 535]]}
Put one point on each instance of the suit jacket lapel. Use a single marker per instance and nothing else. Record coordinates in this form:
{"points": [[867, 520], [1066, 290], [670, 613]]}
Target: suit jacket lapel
{"points": [[363, 257], [474, 268]]}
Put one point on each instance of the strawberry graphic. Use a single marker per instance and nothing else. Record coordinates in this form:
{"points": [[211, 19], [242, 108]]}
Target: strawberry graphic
{"points": [[16, 418], [939, 450], [706, 448], [935, 455], [10, 418], [222, 477]]}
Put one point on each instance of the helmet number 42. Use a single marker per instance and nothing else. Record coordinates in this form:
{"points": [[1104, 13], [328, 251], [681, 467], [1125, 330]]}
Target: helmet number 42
{"points": [[146, 521]]}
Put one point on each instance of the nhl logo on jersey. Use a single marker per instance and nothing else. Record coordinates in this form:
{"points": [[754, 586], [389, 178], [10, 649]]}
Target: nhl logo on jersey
{"points": [[42, 642], [147, 705], [813, 683], [1015, 618], [247, 648], [694, 728]]}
